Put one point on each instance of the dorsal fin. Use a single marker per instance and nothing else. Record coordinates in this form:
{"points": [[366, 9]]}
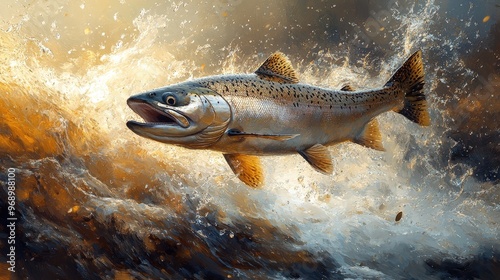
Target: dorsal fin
{"points": [[370, 136], [319, 157], [247, 168], [277, 68], [347, 88]]}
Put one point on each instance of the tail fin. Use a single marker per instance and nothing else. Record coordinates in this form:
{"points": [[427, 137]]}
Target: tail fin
{"points": [[410, 79]]}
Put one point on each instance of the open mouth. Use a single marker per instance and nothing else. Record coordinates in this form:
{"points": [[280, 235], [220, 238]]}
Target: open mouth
{"points": [[155, 116]]}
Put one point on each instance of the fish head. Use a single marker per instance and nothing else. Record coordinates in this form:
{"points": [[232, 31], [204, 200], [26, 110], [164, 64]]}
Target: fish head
{"points": [[188, 115]]}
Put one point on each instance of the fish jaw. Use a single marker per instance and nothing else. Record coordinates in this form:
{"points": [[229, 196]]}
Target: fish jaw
{"points": [[159, 121]]}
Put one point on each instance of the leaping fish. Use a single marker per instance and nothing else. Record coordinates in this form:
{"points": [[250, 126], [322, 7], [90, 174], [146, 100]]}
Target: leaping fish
{"points": [[269, 112]]}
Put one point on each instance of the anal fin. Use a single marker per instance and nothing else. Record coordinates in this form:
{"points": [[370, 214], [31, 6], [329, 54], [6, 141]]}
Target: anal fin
{"points": [[248, 169], [370, 136], [318, 157]]}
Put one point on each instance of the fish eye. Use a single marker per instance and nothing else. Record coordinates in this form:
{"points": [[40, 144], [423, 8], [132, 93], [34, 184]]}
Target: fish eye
{"points": [[171, 100]]}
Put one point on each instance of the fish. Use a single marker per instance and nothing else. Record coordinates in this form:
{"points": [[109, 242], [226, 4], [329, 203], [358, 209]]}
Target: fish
{"points": [[269, 112]]}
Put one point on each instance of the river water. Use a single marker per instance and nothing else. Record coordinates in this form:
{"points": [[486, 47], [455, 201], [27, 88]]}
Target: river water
{"points": [[93, 200]]}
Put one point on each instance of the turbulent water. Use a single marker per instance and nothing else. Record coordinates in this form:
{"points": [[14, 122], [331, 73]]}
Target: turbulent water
{"points": [[93, 200]]}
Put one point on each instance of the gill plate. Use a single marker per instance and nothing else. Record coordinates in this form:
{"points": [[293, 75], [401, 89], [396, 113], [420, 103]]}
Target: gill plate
{"points": [[221, 117]]}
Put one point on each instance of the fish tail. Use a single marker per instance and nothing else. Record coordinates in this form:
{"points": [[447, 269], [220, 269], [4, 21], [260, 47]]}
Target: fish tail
{"points": [[410, 79]]}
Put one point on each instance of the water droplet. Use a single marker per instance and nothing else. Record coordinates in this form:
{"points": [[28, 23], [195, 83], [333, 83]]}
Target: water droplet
{"points": [[300, 179], [399, 216]]}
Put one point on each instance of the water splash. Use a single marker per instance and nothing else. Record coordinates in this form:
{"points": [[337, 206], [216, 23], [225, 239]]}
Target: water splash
{"points": [[118, 205]]}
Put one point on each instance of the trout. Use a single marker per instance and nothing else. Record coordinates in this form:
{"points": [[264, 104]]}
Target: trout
{"points": [[269, 112]]}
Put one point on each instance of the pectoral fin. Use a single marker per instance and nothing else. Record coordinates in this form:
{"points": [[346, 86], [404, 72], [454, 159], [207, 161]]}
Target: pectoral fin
{"points": [[247, 168], [278, 137], [370, 136], [319, 157]]}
